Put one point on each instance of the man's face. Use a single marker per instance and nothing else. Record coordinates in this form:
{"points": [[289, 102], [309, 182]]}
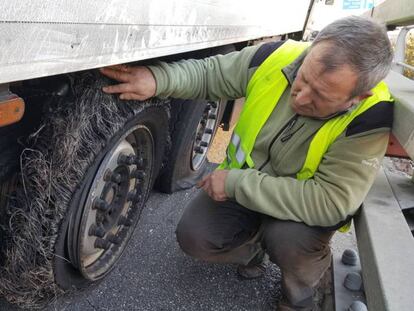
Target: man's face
{"points": [[318, 94]]}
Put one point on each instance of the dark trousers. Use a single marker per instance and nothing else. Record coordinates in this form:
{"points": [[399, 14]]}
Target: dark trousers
{"points": [[227, 232]]}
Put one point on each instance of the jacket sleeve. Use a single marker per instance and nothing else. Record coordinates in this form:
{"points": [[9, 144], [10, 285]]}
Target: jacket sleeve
{"points": [[221, 76], [337, 189]]}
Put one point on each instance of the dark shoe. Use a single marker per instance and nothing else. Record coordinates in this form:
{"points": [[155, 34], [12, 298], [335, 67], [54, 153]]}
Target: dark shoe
{"points": [[255, 269]]}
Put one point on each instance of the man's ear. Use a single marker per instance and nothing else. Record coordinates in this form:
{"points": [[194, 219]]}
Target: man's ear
{"points": [[361, 97]]}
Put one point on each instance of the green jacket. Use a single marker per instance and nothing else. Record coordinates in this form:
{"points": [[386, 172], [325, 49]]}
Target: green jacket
{"points": [[348, 168]]}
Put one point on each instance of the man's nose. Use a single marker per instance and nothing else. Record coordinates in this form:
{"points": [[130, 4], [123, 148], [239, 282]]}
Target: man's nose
{"points": [[303, 97]]}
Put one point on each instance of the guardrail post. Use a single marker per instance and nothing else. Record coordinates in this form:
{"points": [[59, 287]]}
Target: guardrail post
{"points": [[399, 54]]}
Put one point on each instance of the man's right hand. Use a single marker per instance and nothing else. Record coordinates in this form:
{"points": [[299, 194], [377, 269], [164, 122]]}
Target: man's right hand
{"points": [[137, 83]]}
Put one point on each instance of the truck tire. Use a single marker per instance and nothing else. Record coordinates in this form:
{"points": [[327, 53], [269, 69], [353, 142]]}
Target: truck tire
{"points": [[86, 179], [193, 125]]}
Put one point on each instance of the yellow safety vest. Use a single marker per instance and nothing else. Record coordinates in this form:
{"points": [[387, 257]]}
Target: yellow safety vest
{"points": [[263, 93]]}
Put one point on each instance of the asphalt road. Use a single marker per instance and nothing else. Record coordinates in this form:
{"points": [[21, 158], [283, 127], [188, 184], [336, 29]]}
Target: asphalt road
{"points": [[154, 274]]}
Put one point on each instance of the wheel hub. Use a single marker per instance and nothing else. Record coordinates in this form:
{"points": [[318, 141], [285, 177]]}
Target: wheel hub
{"points": [[113, 204]]}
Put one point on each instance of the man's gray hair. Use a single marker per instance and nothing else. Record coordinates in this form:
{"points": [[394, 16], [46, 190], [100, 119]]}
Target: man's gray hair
{"points": [[361, 43]]}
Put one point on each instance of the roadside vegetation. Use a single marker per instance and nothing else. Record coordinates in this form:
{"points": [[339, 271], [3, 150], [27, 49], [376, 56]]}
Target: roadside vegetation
{"points": [[409, 55]]}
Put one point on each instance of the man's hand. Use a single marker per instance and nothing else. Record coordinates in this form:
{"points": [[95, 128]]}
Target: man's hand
{"points": [[214, 183], [138, 83]]}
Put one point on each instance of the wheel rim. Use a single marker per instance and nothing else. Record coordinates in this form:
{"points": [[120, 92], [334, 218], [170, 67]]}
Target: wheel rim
{"points": [[113, 204], [204, 134]]}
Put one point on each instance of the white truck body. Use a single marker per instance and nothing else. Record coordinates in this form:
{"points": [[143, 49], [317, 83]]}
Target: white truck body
{"points": [[48, 37]]}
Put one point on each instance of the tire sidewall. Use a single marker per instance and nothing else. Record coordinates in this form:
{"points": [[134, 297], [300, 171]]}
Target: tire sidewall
{"points": [[182, 175]]}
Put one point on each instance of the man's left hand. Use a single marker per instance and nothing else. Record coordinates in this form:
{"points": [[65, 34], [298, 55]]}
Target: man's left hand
{"points": [[214, 184]]}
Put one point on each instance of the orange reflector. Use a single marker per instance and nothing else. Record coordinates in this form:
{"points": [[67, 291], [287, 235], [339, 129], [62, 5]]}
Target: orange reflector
{"points": [[11, 111], [395, 149]]}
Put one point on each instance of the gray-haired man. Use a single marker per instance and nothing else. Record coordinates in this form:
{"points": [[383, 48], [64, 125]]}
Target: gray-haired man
{"points": [[311, 162]]}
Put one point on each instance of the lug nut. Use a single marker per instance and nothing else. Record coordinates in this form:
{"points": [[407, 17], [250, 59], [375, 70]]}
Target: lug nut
{"points": [[353, 281], [100, 218], [208, 131], [357, 306], [198, 149], [101, 243], [116, 178], [107, 175], [97, 231], [124, 221], [204, 144], [138, 174], [141, 163], [122, 158], [114, 238], [101, 205], [132, 159], [111, 176], [127, 159], [138, 198], [131, 195], [138, 195], [349, 257]]}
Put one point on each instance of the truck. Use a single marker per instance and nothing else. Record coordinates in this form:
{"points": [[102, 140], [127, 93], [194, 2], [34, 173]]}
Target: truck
{"points": [[77, 165]]}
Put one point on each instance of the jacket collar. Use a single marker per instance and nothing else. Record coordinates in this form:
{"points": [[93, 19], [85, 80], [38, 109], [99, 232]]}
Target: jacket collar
{"points": [[291, 70]]}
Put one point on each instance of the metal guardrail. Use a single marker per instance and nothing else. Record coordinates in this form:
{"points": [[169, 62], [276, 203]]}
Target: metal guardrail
{"points": [[386, 249], [404, 65], [402, 90], [384, 238], [385, 242]]}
